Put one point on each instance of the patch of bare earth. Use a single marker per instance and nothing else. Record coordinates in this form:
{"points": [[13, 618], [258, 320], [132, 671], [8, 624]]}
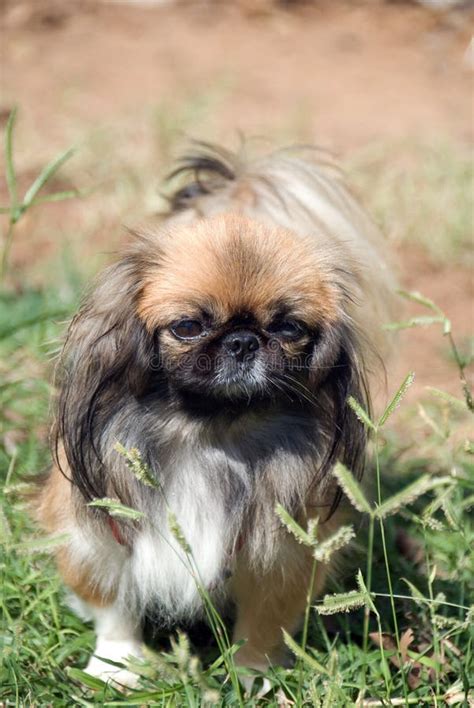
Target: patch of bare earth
{"points": [[341, 74]]}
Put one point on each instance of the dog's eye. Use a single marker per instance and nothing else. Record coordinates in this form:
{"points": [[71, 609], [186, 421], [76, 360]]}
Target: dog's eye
{"points": [[289, 329], [187, 329]]}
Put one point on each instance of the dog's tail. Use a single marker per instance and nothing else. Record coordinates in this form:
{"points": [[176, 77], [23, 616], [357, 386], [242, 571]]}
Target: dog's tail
{"points": [[301, 188], [210, 177], [202, 171]]}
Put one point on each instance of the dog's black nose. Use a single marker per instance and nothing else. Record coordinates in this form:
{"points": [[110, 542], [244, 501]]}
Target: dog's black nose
{"points": [[241, 345]]}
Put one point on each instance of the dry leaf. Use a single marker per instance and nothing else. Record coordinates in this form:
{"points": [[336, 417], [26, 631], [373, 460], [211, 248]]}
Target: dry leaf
{"points": [[455, 695], [414, 675], [389, 644], [405, 640], [452, 647]]}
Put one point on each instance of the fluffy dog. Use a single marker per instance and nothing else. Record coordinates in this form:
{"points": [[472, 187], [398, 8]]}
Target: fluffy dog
{"points": [[222, 345]]}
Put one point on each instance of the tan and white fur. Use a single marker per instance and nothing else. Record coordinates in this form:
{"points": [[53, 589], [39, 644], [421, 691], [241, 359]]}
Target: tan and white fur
{"points": [[273, 253]]}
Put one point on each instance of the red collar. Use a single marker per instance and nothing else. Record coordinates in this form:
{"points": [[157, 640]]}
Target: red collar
{"points": [[116, 532]]}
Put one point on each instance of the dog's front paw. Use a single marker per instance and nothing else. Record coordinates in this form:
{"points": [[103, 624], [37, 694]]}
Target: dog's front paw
{"points": [[248, 683], [256, 661], [117, 651], [120, 678]]}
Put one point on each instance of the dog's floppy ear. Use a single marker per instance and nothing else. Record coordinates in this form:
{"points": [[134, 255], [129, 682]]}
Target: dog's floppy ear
{"points": [[108, 356], [338, 373]]}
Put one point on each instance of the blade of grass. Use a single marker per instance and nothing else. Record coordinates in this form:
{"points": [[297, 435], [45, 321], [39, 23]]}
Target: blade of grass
{"points": [[9, 166], [295, 529], [300, 654], [361, 413], [342, 602], [417, 297], [115, 508], [45, 175], [410, 494], [391, 406], [30, 322], [57, 197], [422, 321], [351, 488], [395, 402]]}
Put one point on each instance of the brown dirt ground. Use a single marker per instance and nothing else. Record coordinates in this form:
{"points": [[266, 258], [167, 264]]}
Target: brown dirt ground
{"points": [[344, 73]]}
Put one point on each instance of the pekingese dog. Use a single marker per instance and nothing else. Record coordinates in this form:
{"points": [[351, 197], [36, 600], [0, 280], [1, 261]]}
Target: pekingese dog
{"points": [[222, 345]]}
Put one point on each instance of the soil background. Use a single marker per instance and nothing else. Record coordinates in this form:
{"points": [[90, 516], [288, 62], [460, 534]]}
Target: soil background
{"points": [[124, 78]]}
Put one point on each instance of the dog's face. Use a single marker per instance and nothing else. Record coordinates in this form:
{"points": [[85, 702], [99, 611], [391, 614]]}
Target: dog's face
{"points": [[240, 310], [225, 315]]}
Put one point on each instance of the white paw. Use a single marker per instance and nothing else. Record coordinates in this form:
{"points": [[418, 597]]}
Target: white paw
{"points": [[118, 651], [251, 662], [120, 678], [248, 682]]}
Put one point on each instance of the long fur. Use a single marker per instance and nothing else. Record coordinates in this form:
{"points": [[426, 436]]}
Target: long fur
{"points": [[221, 474]]}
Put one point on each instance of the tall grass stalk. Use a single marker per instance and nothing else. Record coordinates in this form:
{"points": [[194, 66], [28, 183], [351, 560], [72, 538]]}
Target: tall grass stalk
{"points": [[431, 573], [304, 637], [309, 598], [18, 207], [361, 503], [391, 407], [439, 317], [389, 577], [365, 639], [216, 624]]}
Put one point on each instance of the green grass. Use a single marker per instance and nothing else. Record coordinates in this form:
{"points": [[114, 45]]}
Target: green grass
{"points": [[418, 598]]}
